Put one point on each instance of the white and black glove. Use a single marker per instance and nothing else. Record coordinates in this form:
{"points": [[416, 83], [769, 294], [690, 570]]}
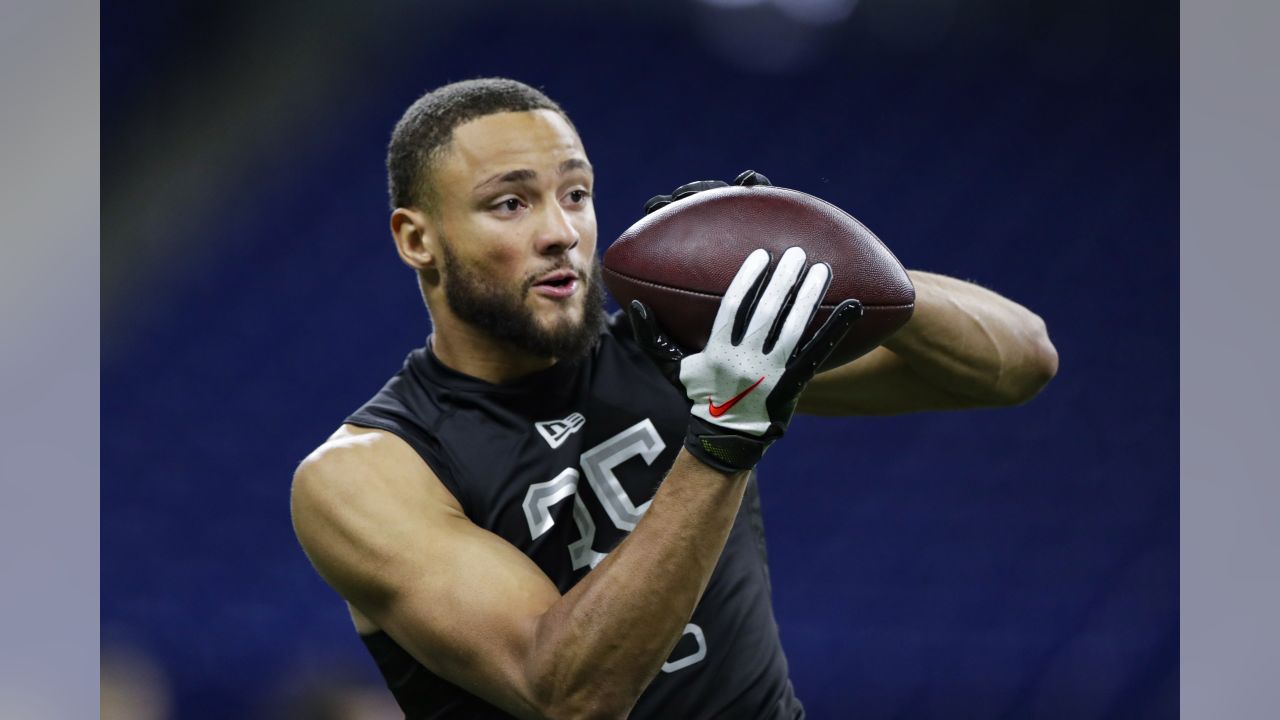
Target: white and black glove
{"points": [[745, 383]]}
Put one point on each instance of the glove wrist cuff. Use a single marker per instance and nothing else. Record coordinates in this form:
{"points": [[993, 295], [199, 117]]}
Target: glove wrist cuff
{"points": [[724, 451]]}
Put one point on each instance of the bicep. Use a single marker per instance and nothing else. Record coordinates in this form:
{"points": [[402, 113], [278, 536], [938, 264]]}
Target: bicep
{"points": [[391, 540], [878, 383]]}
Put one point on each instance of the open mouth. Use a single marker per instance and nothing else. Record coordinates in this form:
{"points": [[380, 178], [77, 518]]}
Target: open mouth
{"points": [[557, 284]]}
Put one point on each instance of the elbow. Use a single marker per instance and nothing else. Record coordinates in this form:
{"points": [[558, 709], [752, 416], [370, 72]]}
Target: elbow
{"points": [[562, 694], [1036, 366], [594, 709], [586, 703]]}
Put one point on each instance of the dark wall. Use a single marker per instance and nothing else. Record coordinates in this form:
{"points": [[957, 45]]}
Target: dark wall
{"points": [[1016, 562]]}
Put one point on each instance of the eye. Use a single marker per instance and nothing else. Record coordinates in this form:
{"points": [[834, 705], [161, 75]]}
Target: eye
{"points": [[578, 196], [508, 206]]}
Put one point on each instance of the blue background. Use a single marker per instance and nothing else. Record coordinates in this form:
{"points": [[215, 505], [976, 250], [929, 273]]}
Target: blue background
{"points": [[1018, 562]]}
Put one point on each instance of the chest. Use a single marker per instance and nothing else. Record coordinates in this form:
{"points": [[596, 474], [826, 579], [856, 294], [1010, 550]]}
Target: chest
{"points": [[567, 478]]}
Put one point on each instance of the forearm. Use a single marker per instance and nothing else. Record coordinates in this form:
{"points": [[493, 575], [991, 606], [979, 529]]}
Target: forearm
{"points": [[972, 342], [604, 641]]}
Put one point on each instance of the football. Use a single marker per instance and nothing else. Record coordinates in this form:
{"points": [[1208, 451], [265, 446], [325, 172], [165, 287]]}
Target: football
{"points": [[680, 259]]}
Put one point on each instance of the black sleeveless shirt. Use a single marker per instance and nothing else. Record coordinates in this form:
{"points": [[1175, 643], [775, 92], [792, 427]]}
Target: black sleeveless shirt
{"points": [[561, 464]]}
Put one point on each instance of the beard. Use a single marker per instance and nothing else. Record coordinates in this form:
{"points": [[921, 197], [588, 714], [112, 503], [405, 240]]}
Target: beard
{"points": [[502, 311]]}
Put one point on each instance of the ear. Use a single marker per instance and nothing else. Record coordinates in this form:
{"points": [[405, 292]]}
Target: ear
{"points": [[415, 237]]}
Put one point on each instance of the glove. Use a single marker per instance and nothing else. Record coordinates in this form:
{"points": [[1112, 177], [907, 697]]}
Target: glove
{"points": [[745, 383], [746, 178]]}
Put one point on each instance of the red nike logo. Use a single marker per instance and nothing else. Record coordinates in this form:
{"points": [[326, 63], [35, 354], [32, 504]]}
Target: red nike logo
{"points": [[718, 410]]}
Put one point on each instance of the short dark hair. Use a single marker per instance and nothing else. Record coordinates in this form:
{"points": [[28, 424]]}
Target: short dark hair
{"points": [[427, 127]]}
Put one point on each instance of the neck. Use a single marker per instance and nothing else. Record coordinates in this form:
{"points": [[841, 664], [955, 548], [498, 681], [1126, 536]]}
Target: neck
{"points": [[472, 352]]}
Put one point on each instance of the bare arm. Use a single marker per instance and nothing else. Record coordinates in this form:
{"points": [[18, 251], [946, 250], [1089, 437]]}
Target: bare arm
{"points": [[384, 532], [611, 633], [964, 347]]}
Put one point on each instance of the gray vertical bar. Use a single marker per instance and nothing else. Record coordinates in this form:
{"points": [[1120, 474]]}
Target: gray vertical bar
{"points": [[49, 259], [1230, 399]]}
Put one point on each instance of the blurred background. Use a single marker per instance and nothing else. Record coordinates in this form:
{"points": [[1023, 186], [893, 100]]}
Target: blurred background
{"points": [[1012, 563]]}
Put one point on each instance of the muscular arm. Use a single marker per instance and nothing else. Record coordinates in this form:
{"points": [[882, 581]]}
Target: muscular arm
{"points": [[964, 347], [387, 535], [611, 633]]}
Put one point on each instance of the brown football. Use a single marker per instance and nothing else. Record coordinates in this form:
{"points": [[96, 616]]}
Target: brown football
{"points": [[680, 259]]}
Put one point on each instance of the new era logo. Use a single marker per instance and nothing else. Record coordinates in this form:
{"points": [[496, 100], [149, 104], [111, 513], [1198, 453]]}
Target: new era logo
{"points": [[555, 432]]}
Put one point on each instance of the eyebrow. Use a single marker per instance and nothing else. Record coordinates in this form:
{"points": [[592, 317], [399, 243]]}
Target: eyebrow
{"points": [[525, 175]]}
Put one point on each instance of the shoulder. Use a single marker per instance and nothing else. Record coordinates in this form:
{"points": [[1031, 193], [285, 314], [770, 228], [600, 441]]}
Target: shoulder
{"points": [[357, 501], [358, 462], [353, 496]]}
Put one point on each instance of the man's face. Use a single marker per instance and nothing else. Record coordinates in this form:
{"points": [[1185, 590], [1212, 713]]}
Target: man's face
{"points": [[517, 232]]}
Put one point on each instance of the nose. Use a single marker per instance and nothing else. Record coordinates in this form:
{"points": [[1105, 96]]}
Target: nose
{"points": [[556, 232]]}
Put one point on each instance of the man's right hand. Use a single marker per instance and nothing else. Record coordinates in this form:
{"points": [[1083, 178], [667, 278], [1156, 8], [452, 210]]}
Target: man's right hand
{"points": [[745, 383]]}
